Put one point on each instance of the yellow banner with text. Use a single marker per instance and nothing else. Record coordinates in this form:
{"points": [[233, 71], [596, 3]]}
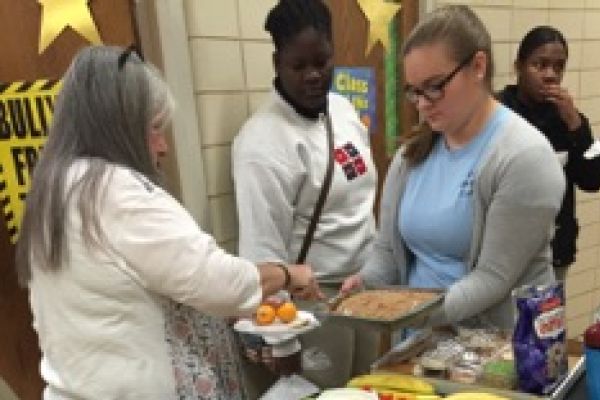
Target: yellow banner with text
{"points": [[26, 109]]}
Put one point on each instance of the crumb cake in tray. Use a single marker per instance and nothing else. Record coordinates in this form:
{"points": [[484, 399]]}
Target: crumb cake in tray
{"points": [[389, 307]]}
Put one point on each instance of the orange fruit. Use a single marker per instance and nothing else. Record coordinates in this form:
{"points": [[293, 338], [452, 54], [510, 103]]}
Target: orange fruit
{"points": [[265, 314], [287, 312], [366, 120]]}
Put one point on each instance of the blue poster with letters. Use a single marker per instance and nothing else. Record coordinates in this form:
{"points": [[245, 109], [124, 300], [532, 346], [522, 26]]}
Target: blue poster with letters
{"points": [[357, 84]]}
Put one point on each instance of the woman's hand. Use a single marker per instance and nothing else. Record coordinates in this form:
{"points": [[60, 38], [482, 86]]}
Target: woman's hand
{"points": [[566, 107], [274, 301], [303, 283], [352, 282], [298, 279]]}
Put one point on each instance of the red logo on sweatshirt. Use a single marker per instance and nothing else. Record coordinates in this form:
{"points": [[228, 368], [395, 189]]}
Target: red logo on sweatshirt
{"points": [[351, 161]]}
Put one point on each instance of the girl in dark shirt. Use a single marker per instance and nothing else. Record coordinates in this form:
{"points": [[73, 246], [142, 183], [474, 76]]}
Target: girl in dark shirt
{"points": [[539, 98]]}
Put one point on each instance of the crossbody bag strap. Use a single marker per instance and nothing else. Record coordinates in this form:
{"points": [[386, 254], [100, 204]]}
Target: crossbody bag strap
{"points": [[310, 231]]}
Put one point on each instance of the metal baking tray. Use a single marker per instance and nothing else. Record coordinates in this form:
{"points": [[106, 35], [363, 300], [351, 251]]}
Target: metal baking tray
{"points": [[413, 318]]}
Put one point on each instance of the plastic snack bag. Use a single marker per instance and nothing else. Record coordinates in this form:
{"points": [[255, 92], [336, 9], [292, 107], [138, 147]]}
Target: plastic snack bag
{"points": [[539, 338]]}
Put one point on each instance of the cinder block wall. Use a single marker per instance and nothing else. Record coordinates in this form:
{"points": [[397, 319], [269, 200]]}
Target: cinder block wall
{"points": [[231, 56]]}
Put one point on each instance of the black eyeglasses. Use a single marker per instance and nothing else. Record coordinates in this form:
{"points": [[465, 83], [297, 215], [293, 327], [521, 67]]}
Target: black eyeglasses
{"points": [[124, 56], [434, 92]]}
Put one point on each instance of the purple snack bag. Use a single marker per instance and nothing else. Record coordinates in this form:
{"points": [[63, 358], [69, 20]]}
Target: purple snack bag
{"points": [[539, 338]]}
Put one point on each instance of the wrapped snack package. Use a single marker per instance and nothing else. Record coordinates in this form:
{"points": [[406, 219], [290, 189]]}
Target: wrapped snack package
{"points": [[465, 372], [436, 362], [499, 374], [539, 338]]}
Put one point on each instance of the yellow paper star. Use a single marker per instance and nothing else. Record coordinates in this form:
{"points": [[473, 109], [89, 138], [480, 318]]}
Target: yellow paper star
{"points": [[58, 14], [379, 14]]}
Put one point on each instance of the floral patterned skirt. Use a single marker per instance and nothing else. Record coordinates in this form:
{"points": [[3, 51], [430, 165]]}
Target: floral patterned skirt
{"points": [[205, 355]]}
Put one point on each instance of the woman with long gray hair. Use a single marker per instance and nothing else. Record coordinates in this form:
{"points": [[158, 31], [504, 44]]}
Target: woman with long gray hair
{"points": [[106, 252]]}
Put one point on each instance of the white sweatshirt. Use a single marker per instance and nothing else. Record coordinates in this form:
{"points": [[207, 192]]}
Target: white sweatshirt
{"points": [[279, 163], [100, 317]]}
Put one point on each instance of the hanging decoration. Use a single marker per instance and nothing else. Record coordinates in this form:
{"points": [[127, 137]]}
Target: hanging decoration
{"points": [[58, 14], [392, 123], [379, 14]]}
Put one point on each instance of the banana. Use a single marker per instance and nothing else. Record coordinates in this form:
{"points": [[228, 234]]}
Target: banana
{"points": [[393, 395], [392, 382], [475, 396]]}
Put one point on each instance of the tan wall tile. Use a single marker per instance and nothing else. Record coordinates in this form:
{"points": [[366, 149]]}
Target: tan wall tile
{"points": [[217, 64], [496, 20], [571, 82], [530, 4], [502, 58], [592, 83], [591, 26], [514, 49], [589, 54], [257, 99], [217, 161], [221, 116], [211, 18], [592, 3], [590, 107], [575, 51], [585, 260], [577, 306], [579, 284], [253, 14], [259, 65], [588, 212], [500, 81], [526, 19], [589, 235], [596, 298], [570, 23], [576, 326], [586, 196], [562, 4], [224, 218]]}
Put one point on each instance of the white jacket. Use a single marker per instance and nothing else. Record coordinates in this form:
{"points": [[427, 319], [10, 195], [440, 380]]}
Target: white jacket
{"points": [[100, 317], [279, 163]]}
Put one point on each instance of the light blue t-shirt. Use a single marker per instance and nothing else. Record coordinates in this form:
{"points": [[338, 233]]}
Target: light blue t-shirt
{"points": [[436, 213]]}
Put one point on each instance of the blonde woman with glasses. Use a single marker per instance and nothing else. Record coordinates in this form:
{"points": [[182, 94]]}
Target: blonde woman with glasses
{"points": [[465, 206]]}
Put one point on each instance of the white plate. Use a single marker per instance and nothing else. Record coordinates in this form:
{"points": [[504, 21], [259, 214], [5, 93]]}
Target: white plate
{"points": [[304, 322], [347, 394]]}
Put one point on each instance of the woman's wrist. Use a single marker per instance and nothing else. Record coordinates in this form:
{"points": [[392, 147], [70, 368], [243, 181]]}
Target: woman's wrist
{"points": [[287, 280]]}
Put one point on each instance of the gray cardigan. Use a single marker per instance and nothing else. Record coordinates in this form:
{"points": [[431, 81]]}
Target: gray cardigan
{"points": [[517, 193]]}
